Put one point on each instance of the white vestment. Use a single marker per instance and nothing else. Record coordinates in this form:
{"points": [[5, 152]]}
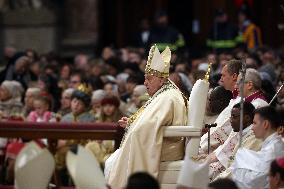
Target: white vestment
{"points": [[219, 134], [225, 153], [143, 147], [250, 169]]}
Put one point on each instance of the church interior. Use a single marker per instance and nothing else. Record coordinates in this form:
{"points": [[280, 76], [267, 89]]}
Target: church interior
{"points": [[152, 94]]}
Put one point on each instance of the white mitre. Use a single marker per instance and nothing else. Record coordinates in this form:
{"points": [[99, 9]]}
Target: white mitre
{"points": [[158, 64], [33, 167], [85, 170]]}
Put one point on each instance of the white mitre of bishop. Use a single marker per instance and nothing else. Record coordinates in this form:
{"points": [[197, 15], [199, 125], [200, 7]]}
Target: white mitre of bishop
{"points": [[158, 64], [85, 169], [33, 167], [194, 174]]}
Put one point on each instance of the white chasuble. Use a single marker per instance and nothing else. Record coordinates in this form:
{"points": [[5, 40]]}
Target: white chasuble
{"points": [[143, 147]]}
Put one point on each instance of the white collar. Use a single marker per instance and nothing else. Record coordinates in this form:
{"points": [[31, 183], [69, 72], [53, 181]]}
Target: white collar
{"points": [[269, 139]]}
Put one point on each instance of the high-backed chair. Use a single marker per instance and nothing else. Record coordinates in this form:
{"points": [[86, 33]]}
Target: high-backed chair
{"points": [[169, 170], [33, 167]]}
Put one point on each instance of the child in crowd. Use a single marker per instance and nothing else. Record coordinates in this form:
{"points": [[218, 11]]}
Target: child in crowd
{"points": [[41, 111]]}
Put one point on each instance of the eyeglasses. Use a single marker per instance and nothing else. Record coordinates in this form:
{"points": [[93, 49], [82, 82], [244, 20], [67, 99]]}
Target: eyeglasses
{"points": [[239, 82]]}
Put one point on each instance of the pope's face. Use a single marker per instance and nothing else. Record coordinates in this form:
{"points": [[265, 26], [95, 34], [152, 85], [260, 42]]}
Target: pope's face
{"points": [[153, 83]]}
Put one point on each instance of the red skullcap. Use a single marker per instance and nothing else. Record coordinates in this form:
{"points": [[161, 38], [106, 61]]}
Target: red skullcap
{"points": [[280, 162]]}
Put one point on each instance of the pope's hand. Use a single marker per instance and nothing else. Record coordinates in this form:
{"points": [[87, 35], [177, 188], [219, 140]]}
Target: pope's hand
{"points": [[123, 122]]}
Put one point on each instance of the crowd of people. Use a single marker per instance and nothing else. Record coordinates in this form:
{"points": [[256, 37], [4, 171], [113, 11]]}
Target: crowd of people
{"points": [[45, 88]]}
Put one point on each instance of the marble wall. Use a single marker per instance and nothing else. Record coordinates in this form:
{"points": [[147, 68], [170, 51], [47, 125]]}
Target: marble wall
{"points": [[67, 27], [34, 29]]}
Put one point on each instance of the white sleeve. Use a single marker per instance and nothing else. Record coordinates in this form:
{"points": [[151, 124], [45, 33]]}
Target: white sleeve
{"points": [[248, 179], [258, 103]]}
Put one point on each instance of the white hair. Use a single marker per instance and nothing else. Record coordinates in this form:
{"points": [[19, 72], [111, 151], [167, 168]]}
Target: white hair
{"points": [[14, 88], [122, 77], [34, 91], [140, 89], [98, 94], [253, 76], [68, 91]]}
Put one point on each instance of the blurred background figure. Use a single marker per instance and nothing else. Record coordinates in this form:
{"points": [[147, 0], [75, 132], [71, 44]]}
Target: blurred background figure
{"points": [[250, 33], [164, 35], [223, 34]]}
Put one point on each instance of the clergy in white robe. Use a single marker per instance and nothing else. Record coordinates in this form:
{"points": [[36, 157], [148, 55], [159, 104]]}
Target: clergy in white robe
{"points": [[143, 147], [229, 77], [252, 94], [250, 169], [225, 153]]}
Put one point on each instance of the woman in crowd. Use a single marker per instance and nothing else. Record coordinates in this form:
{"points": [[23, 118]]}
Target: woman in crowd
{"points": [[97, 97], [10, 99], [31, 94], [66, 102], [110, 110], [134, 104], [49, 88]]}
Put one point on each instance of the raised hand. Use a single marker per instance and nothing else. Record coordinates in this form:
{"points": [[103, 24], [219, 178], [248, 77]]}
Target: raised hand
{"points": [[123, 122]]}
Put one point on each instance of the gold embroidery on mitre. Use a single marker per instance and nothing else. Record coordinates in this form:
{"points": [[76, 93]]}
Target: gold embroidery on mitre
{"points": [[207, 75], [165, 60]]}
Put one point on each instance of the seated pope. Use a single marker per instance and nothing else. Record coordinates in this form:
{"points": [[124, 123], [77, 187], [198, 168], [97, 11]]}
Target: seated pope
{"points": [[143, 146]]}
